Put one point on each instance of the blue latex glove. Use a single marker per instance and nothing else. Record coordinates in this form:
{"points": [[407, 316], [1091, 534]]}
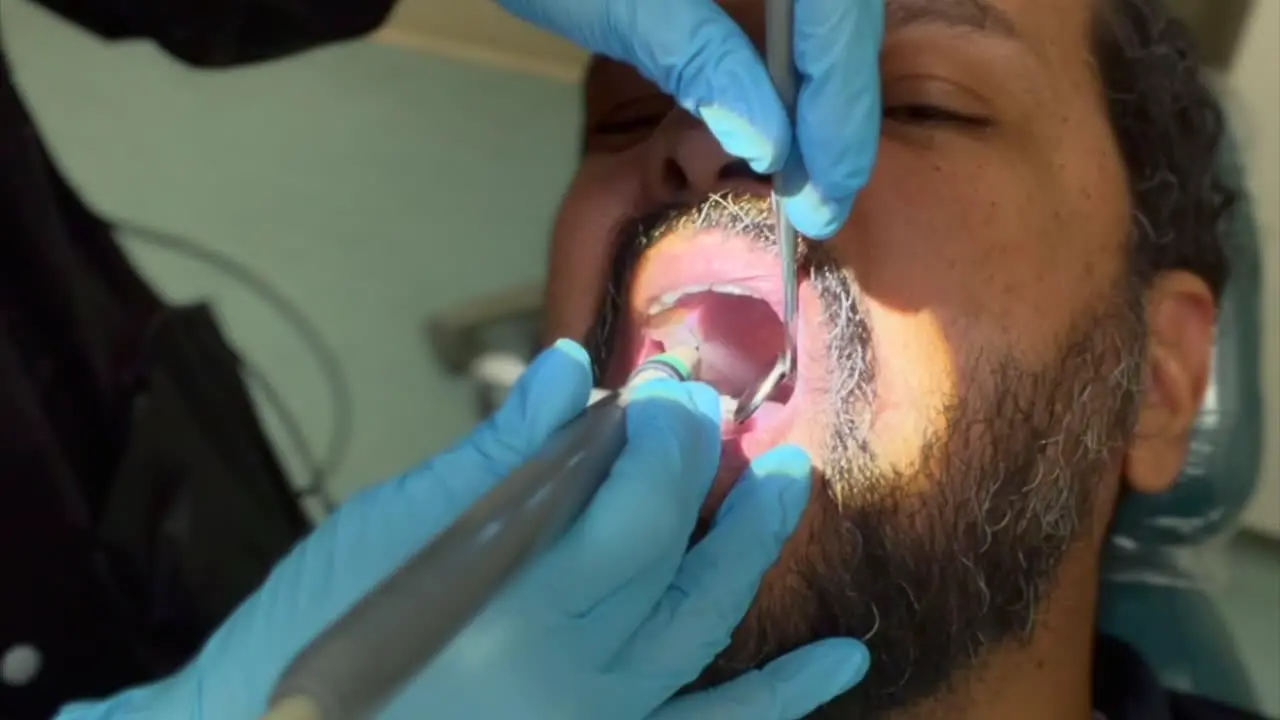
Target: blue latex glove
{"points": [[698, 55], [610, 622]]}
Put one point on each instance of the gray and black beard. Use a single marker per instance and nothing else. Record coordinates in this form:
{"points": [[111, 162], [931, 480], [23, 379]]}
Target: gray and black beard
{"points": [[934, 565]]}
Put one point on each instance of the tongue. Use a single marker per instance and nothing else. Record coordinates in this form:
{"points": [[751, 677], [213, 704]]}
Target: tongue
{"points": [[739, 337]]}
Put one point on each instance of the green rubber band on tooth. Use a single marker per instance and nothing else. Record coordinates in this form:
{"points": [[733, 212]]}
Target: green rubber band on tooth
{"points": [[675, 363]]}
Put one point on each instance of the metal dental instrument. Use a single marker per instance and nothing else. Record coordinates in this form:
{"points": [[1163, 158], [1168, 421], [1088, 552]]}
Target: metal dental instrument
{"points": [[779, 17], [357, 664]]}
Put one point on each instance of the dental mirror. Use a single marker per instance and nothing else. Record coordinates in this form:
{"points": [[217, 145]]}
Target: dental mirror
{"points": [[778, 29]]}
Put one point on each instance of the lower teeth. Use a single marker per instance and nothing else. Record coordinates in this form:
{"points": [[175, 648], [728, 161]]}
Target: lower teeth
{"points": [[728, 406]]}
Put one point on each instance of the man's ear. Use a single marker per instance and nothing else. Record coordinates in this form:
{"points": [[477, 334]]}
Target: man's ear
{"points": [[1181, 323]]}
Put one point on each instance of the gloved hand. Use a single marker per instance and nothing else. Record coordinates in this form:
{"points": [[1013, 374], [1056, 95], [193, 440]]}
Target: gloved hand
{"points": [[610, 622], [698, 55]]}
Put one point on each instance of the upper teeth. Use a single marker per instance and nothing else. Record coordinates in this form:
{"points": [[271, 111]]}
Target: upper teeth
{"points": [[667, 300]]}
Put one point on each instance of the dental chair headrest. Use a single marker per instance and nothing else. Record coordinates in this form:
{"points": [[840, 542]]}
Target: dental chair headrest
{"points": [[1225, 448]]}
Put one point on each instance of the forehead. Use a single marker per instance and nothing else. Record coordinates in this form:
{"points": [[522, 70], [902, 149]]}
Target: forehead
{"points": [[1057, 32]]}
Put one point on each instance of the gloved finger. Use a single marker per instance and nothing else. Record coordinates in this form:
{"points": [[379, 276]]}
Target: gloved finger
{"points": [[644, 513], [719, 577], [554, 389], [788, 688], [692, 50], [838, 110]]}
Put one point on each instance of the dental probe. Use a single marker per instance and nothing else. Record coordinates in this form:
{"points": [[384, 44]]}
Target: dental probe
{"points": [[779, 24], [356, 665]]}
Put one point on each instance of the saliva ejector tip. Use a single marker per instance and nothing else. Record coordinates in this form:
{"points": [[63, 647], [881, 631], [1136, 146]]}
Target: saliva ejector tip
{"points": [[677, 363]]}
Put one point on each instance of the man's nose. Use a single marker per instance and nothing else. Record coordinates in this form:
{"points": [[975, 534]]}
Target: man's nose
{"points": [[688, 163]]}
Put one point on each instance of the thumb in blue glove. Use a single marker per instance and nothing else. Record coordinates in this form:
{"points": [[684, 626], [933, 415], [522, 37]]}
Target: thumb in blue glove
{"points": [[696, 53], [611, 621]]}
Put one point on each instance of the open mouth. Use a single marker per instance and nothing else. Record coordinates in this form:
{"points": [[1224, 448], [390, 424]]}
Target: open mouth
{"points": [[711, 277]]}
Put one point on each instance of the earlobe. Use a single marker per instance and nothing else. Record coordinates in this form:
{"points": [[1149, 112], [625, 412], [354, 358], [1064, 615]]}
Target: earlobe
{"points": [[1181, 319]]}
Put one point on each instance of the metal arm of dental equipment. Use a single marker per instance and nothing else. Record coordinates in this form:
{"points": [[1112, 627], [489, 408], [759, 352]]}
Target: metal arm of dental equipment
{"points": [[357, 664]]}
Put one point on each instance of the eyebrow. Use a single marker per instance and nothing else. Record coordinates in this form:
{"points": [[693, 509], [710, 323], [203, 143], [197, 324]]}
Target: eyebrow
{"points": [[977, 15]]}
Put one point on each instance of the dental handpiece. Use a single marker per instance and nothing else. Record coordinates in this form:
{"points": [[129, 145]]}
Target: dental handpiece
{"points": [[357, 664]]}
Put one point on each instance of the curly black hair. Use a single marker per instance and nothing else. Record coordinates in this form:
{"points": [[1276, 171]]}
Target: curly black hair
{"points": [[1170, 126]]}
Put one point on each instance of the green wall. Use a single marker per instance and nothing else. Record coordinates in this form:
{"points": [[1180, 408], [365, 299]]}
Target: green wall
{"points": [[370, 185]]}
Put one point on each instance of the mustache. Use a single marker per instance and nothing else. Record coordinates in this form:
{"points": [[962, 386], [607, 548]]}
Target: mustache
{"points": [[749, 217]]}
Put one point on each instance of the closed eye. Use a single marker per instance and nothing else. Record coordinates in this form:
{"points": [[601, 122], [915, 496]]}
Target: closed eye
{"points": [[924, 114]]}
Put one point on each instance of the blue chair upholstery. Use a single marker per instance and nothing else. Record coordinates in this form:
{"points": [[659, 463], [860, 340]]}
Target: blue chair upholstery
{"points": [[1148, 599]]}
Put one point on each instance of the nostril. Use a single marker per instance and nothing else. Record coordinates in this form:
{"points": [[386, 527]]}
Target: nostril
{"points": [[673, 176], [740, 170]]}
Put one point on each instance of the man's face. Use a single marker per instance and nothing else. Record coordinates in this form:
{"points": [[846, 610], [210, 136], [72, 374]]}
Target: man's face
{"points": [[969, 343]]}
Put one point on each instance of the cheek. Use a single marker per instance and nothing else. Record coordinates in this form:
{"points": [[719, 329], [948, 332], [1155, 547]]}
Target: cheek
{"points": [[916, 374], [602, 197], [982, 245], [959, 257]]}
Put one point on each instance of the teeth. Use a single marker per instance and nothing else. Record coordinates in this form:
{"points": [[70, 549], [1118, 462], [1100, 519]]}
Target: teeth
{"points": [[676, 335], [728, 405], [668, 300]]}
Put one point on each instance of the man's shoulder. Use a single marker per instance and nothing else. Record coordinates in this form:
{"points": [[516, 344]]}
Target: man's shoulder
{"points": [[1189, 707]]}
